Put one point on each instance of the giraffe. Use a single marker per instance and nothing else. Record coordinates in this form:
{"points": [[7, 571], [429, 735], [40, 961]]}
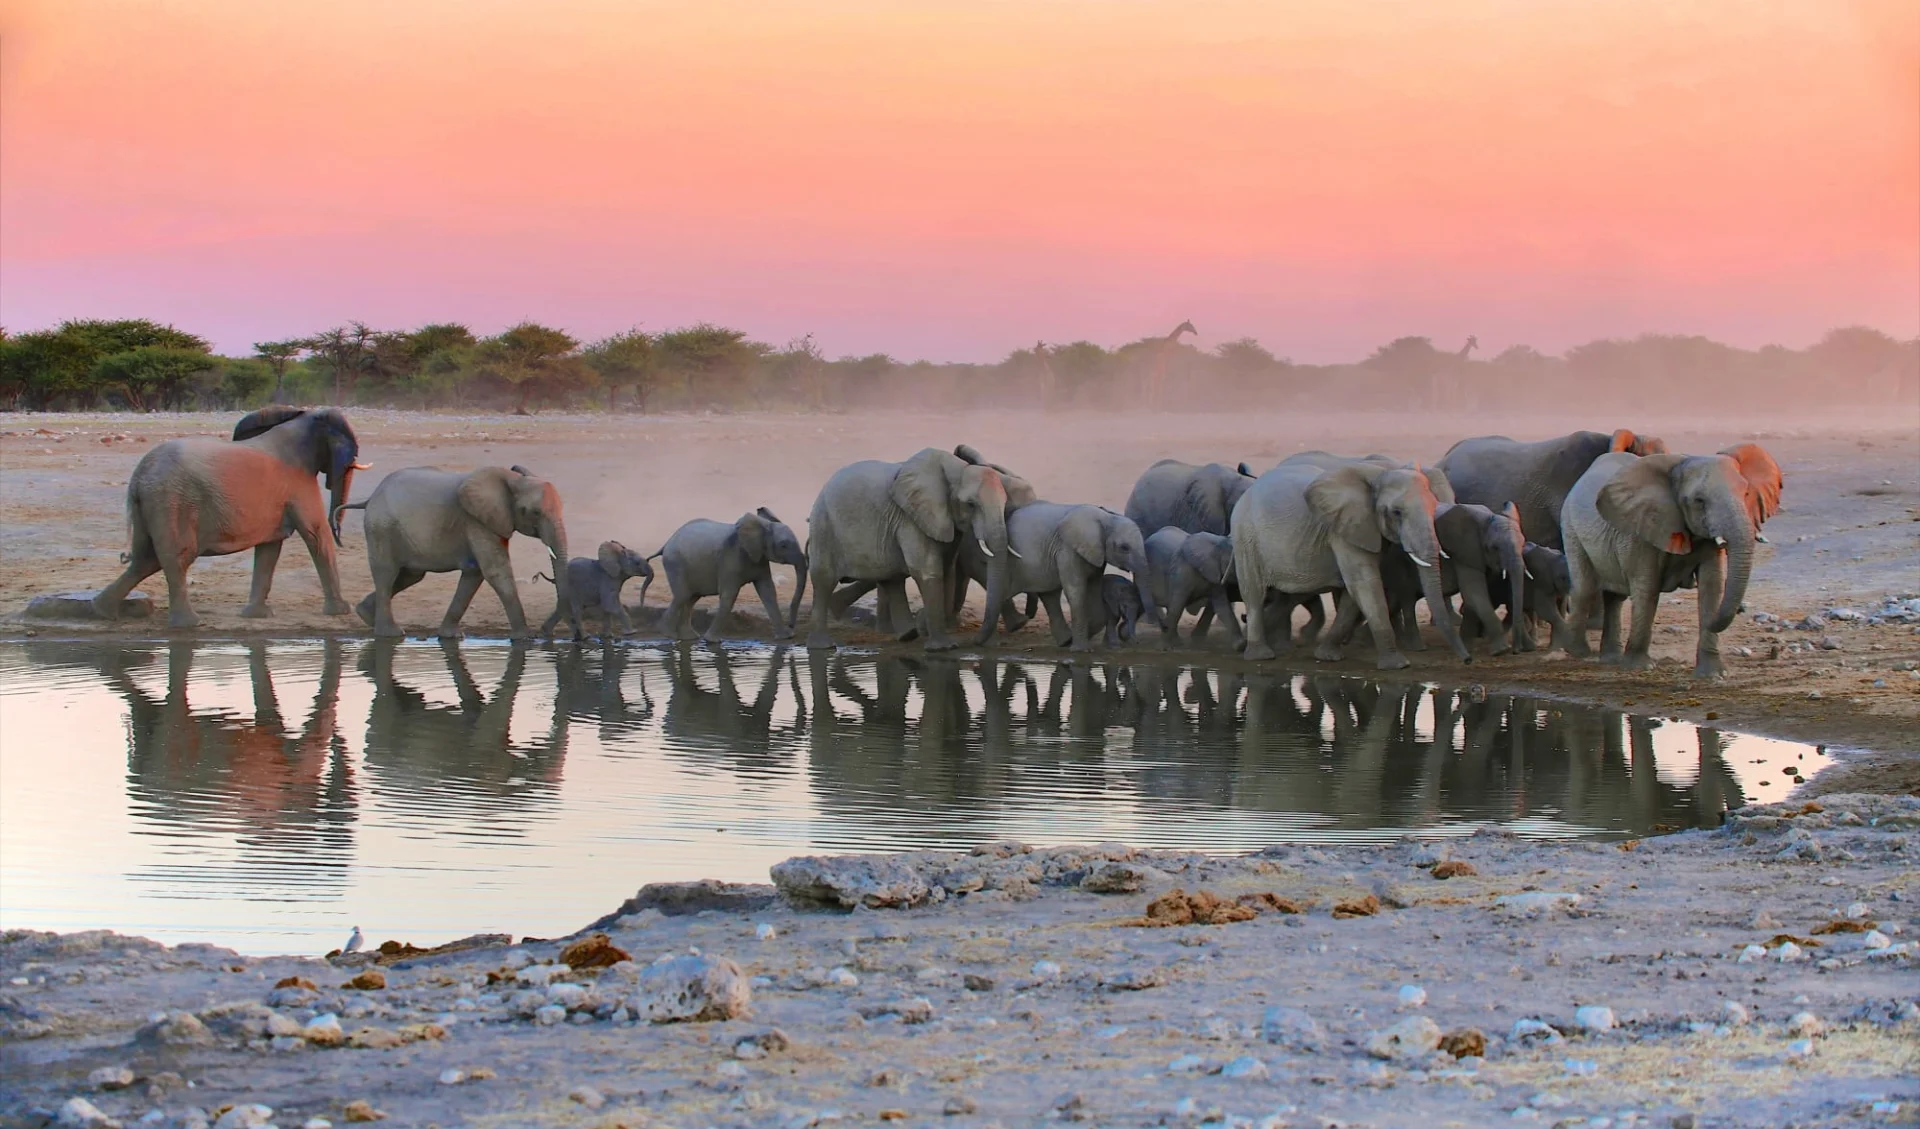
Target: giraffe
{"points": [[1162, 350], [1448, 383], [1048, 382]]}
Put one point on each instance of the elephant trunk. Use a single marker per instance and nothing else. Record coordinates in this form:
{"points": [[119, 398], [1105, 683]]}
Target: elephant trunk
{"points": [[1423, 544], [995, 535], [553, 534], [1512, 560], [341, 486], [799, 590], [1732, 524]]}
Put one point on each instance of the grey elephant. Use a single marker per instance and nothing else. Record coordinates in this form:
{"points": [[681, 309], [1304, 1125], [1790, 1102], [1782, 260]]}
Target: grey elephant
{"points": [[1301, 530], [1482, 554], [1548, 594], [1120, 608], [1189, 571], [424, 519], [1536, 477], [1325, 460], [599, 579], [1636, 527], [717, 558], [191, 498], [1198, 499], [1060, 548], [886, 521]]}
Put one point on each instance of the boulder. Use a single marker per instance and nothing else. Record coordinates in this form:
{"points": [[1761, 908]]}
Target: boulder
{"points": [[79, 605], [691, 988], [848, 881]]}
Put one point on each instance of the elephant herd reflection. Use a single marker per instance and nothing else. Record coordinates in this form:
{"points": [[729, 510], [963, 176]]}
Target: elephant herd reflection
{"points": [[915, 750]]}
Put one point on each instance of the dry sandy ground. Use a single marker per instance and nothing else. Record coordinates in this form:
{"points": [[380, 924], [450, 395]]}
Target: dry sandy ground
{"points": [[1033, 1000], [1849, 532]]}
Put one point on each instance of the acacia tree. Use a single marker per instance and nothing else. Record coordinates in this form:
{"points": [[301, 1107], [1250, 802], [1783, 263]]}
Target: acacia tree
{"points": [[278, 355], [152, 376], [347, 353], [712, 360], [533, 360], [625, 360]]}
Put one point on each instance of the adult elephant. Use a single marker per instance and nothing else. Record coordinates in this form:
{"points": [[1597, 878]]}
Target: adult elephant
{"points": [[884, 522], [1326, 460], [1060, 547], [193, 498], [1301, 530], [1536, 477], [1198, 499], [1482, 558], [1636, 527], [424, 519]]}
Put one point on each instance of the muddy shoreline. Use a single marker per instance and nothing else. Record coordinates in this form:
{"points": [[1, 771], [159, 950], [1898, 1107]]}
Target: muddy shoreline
{"points": [[1757, 975]]}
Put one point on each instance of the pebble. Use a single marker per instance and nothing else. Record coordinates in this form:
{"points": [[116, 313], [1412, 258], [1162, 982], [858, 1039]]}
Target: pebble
{"points": [[1799, 1049], [1046, 970], [696, 988], [1292, 1028], [1856, 910], [110, 1078], [1788, 952], [1537, 901], [1532, 1029], [316, 1123], [842, 977], [1736, 1013], [1411, 1038], [549, 1014], [1412, 995], [1805, 1023], [765, 932], [587, 1096], [1594, 1019], [452, 1077], [79, 1112], [1580, 1067], [1752, 953], [248, 1116], [1185, 1064], [1246, 1066], [1874, 939]]}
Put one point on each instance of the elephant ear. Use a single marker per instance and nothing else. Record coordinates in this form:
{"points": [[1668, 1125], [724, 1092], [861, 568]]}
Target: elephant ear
{"points": [[751, 532], [768, 514], [1206, 502], [265, 420], [1020, 492], [1764, 480], [966, 453], [1203, 555], [1640, 500], [920, 488], [1246, 471], [1642, 445], [612, 555], [1084, 531], [1343, 499], [1438, 482], [1512, 514], [487, 499]]}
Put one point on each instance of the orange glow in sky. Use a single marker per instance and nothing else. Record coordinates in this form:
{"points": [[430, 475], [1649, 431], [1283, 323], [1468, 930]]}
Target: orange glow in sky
{"points": [[956, 178]]}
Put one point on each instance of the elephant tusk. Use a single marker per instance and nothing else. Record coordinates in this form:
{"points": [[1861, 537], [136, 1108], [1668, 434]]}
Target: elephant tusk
{"points": [[1529, 573], [363, 466], [1444, 555], [1016, 553], [1418, 561], [982, 541], [1720, 541], [1762, 539]]}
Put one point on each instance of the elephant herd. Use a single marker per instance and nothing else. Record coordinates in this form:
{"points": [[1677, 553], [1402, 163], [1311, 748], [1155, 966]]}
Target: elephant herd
{"points": [[1559, 531]]}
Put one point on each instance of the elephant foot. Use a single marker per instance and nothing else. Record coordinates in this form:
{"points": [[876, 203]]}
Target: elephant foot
{"points": [[184, 620], [1393, 660], [1328, 653], [1413, 644], [1502, 648], [1574, 646], [104, 610], [1529, 643], [818, 642], [262, 611], [364, 609], [333, 607], [941, 644], [1083, 646], [1709, 666], [1258, 652], [781, 634], [1639, 661], [393, 631], [1017, 622], [452, 632]]}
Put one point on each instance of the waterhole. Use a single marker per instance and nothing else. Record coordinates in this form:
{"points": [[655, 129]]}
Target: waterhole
{"points": [[271, 796]]}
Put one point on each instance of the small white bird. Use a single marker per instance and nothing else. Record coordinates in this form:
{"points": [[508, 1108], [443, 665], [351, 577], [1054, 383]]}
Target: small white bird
{"points": [[354, 942]]}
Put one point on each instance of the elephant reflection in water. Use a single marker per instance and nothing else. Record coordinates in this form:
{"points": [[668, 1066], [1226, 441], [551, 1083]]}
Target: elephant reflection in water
{"points": [[213, 768], [592, 687], [455, 761], [723, 726]]}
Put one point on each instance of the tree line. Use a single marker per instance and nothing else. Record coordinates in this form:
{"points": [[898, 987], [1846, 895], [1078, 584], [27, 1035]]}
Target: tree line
{"points": [[141, 365]]}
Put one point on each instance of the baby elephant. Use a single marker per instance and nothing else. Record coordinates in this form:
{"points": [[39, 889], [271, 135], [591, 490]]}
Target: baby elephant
{"points": [[713, 558], [598, 579], [1121, 607], [1549, 589]]}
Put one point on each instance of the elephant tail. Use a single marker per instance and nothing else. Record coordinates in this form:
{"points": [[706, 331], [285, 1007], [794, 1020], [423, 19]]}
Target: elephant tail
{"points": [[657, 553], [540, 576], [338, 510]]}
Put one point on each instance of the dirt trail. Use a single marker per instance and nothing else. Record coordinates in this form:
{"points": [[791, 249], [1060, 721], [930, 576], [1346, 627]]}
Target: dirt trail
{"points": [[1848, 533]]}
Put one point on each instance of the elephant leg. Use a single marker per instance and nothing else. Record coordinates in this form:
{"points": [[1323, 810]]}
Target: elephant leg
{"points": [[497, 568], [1082, 598], [384, 590], [457, 607], [1179, 596], [1316, 617], [1221, 608], [180, 608], [1646, 603], [1584, 600], [613, 614], [1012, 620], [933, 606], [1477, 607], [1372, 599], [822, 581], [321, 547], [842, 599], [552, 621], [1406, 624], [142, 562], [1610, 625], [895, 615], [266, 555], [1706, 652], [770, 600], [723, 608], [1056, 618], [1346, 620]]}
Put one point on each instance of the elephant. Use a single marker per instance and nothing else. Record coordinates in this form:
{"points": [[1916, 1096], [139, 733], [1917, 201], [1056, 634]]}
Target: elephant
{"points": [[1482, 553], [1198, 499], [1548, 592], [1493, 470], [1639, 526], [424, 519], [716, 558], [1325, 460], [1185, 570], [1302, 530], [1120, 608], [887, 521], [1060, 547], [599, 578], [201, 497]]}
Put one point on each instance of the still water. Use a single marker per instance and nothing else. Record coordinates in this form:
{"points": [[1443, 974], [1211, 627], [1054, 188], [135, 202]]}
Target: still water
{"points": [[270, 796]]}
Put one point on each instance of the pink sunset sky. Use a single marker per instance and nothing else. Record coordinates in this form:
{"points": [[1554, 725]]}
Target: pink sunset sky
{"points": [[953, 179]]}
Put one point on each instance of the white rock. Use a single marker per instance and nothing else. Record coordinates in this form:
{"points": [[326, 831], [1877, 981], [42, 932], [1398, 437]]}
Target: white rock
{"points": [[1805, 1024], [1246, 1066], [1736, 1013], [540, 975], [1799, 1049], [567, 995], [1410, 1038], [842, 977], [693, 988], [1292, 1028], [1538, 901], [250, 1116], [110, 1078], [1857, 909], [1185, 1064], [588, 1096], [1788, 952], [1874, 939], [765, 932], [1752, 953], [1580, 1067], [1046, 970], [83, 1114], [1594, 1018], [323, 1029], [1525, 1030], [316, 1123], [1412, 995], [549, 1014]]}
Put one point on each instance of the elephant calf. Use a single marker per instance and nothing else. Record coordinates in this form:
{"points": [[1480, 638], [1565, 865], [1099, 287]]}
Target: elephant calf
{"points": [[1548, 591], [1060, 548], [1187, 572], [1120, 607], [1482, 560], [714, 558], [599, 578]]}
